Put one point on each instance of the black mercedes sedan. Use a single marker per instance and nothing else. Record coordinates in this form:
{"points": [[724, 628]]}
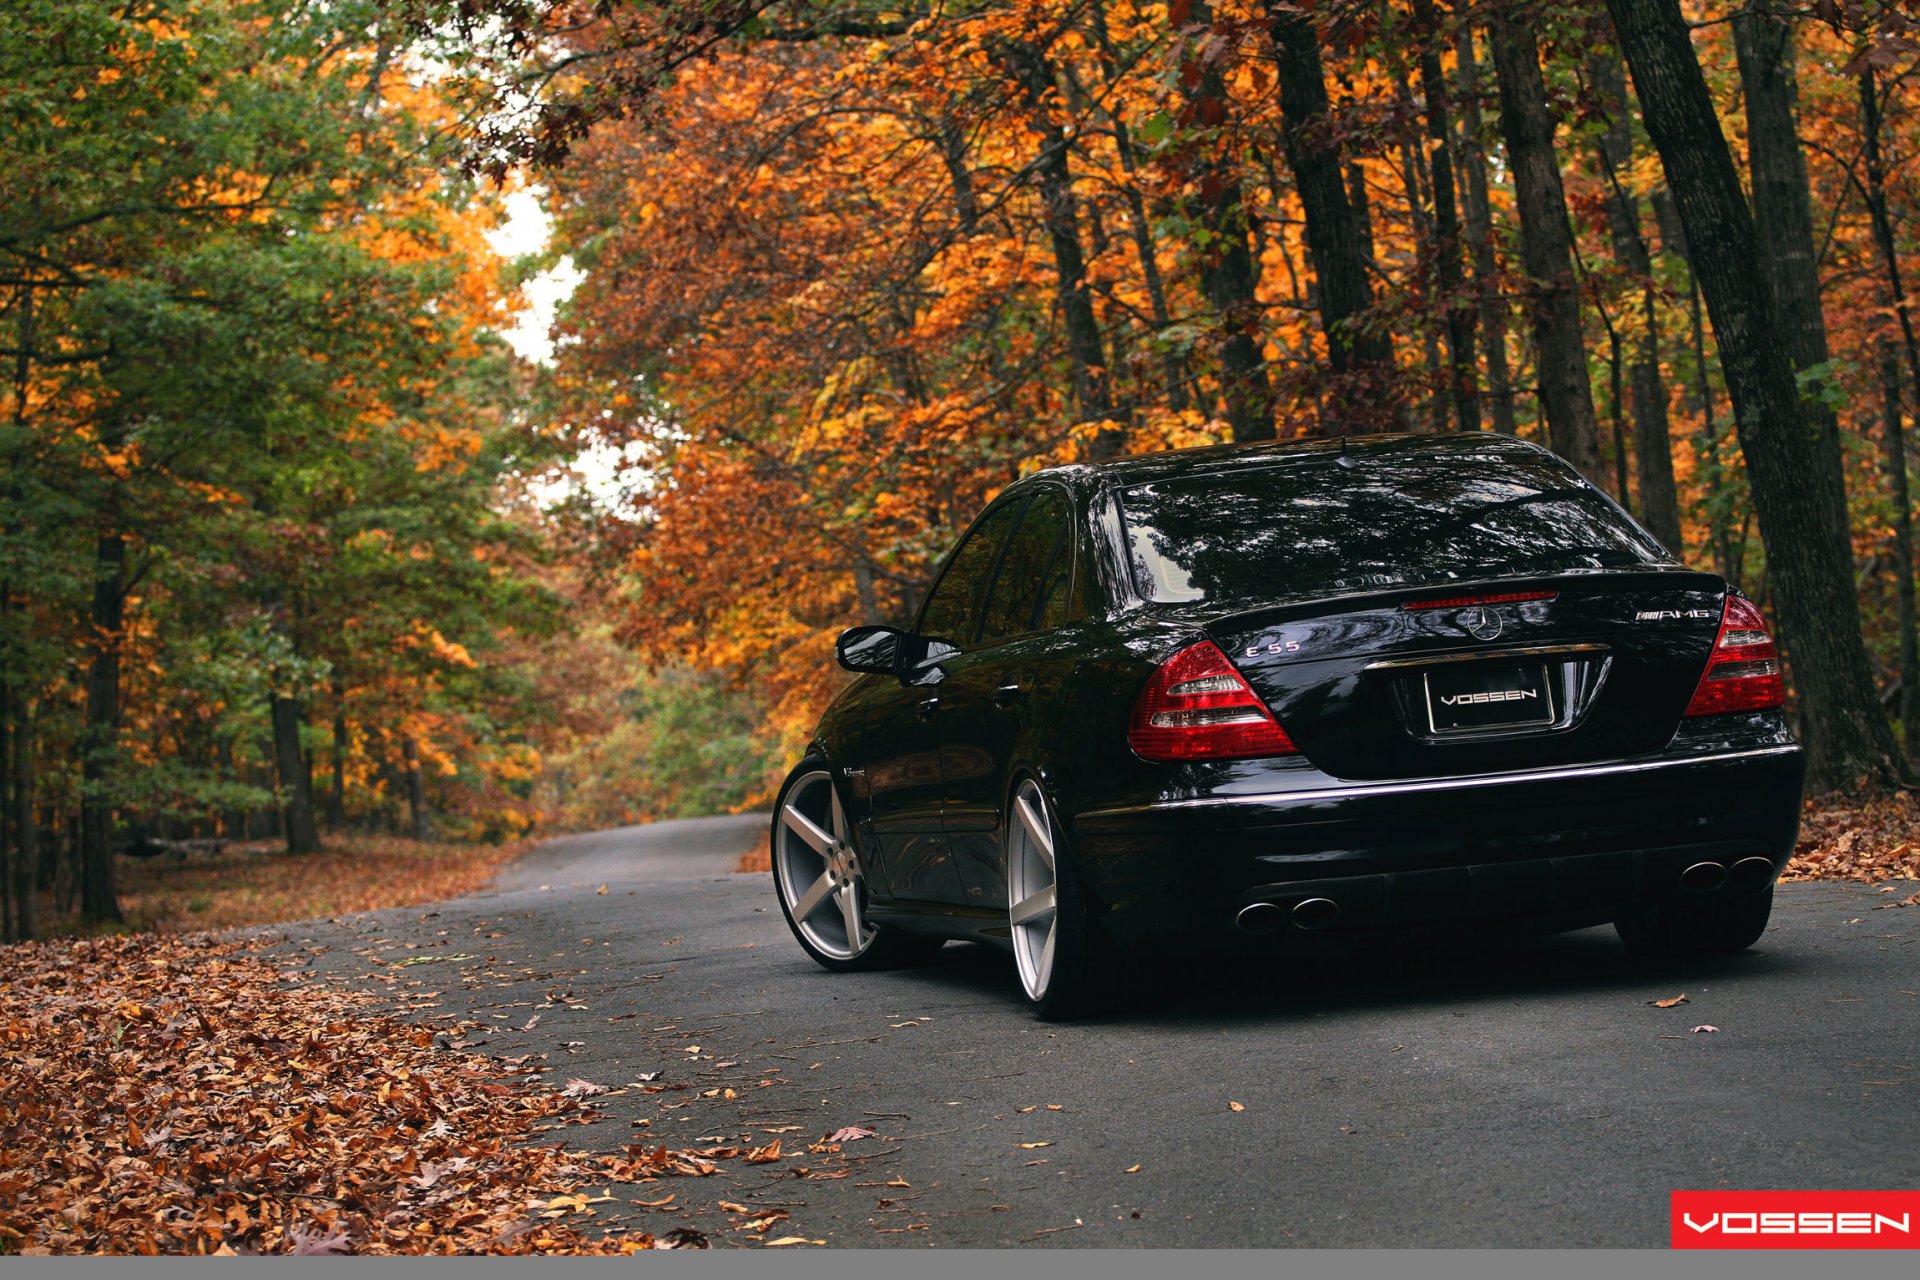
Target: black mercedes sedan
{"points": [[1236, 693]]}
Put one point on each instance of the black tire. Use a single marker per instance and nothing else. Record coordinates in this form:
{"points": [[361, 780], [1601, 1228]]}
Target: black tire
{"points": [[880, 946], [1675, 930], [1083, 977]]}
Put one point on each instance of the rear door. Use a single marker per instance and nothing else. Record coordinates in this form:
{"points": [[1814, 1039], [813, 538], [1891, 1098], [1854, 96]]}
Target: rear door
{"points": [[1417, 615], [904, 782], [1014, 663]]}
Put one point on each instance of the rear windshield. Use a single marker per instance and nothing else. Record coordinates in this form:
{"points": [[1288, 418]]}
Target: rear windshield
{"points": [[1315, 526]]}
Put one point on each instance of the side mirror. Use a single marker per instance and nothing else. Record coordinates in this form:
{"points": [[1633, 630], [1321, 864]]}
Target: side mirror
{"points": [[870, 649], [890, 651]]}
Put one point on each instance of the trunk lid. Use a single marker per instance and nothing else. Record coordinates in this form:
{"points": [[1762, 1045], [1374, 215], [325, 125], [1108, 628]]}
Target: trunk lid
{"points": [[1487, 676]]}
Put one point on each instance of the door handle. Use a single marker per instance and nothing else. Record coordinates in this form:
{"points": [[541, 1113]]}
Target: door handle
{"points": [[1008, 695], [926, 708]]}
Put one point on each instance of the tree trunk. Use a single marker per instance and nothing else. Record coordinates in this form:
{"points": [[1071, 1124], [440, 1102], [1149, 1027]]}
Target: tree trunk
{"points": [[1337, 234], [337, 784], [1616, 409], [1140, 229], [1652, 433], [1226, 263], [1546, 242], [99, 901], [1492, 303], [1896, 450], [1060, 213], [26, 831], [1783, 221], [1811, 576], [296, 786], [1463, 376], [1883, 221], [1896, 443], [416, 788], [10, 741]]}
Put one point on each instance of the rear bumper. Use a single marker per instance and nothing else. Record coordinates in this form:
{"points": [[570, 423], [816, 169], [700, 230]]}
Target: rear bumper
{"points": [[1572, 844]]}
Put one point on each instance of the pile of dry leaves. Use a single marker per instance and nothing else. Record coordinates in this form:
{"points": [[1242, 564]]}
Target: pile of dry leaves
{"points": [[1858, 838], [260, 883], [179, 1095]]}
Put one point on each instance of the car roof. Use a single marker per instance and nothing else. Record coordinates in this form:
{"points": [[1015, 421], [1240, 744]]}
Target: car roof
{"points": [[1150, 468]]}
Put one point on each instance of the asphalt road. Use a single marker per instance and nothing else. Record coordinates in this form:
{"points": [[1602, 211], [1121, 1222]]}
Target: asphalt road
{"points": [[1524, 1094]]}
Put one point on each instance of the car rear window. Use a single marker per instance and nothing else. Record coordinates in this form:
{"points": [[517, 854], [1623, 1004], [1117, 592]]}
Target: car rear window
{"points": [[1324, 526]]}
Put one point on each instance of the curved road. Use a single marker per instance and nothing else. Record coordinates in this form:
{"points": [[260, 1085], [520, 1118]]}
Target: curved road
{"points": [[1509, 1095]]}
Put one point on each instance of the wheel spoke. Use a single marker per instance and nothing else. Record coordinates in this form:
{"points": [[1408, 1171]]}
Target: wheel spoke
{"points": [[1034, 908], [839, 816], [1044, 970], [1037, 832], [850, 912], [815, 895], [803, 826]]}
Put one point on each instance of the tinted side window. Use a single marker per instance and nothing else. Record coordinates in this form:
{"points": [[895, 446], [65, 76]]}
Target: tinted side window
{"points": [[1026, 580], [952, 609]]}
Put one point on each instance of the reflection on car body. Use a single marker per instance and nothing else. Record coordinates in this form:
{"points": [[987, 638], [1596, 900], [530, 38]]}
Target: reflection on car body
{"points": [[1250, 693]]}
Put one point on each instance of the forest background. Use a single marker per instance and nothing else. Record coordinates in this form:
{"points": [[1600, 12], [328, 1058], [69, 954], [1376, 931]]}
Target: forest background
{"points": [[294, 547]]}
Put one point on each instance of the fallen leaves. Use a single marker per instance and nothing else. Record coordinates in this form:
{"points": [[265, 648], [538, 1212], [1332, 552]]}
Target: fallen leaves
{"points": [[179, 1095], [1235, 1106], [249, 884], [1861, 839], [851, 1133], [1704, 1029], [1671, 1002]]}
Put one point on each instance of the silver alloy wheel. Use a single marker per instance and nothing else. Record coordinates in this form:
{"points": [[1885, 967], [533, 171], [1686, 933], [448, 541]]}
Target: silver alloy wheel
{"points": [[1031, 879], [819, 869]]}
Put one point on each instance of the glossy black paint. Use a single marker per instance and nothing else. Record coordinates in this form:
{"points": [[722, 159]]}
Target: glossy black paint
{"points": [[1556, 825]]}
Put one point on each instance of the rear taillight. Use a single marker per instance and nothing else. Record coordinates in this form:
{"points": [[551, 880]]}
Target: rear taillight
{"points": [[1744, 672], [1198, 707]]}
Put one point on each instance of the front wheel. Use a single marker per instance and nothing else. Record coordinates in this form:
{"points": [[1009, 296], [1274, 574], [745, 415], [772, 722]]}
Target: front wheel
{"points": [[1674, 930], [821, 879], [1066, 968]]}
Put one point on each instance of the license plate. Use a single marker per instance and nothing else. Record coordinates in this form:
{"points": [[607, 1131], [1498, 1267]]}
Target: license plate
{"points": [[1472, 698]]}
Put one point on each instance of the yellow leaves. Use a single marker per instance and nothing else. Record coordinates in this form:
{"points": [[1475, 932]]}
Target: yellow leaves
{"points": [[439, 448]]}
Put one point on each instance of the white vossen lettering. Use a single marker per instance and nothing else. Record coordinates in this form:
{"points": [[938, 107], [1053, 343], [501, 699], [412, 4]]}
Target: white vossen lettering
{"points": [[1497, 695], [1800, 1224]]}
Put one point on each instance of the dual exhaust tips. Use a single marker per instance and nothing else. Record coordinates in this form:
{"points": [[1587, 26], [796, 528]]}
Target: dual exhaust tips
{"points": [[1309, 914], [1705, 877], [1312, 914]]}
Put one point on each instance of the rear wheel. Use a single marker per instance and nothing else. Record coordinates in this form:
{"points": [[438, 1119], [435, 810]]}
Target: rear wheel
{"points": [[1715, 928], [822, 881], [1063, 958]]}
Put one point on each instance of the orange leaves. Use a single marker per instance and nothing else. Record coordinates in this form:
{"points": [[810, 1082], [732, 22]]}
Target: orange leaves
{"points": [[220, 1109], [254, 884]]}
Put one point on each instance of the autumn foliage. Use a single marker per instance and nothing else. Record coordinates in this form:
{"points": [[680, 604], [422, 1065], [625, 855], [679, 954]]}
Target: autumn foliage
{"points": [[848, 270]]}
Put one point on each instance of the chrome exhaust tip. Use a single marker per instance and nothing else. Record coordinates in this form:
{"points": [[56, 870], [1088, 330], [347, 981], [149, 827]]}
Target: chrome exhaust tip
{"points": [[1751, 873], [1704, 877], [1260, 919], [1315, 913]]}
